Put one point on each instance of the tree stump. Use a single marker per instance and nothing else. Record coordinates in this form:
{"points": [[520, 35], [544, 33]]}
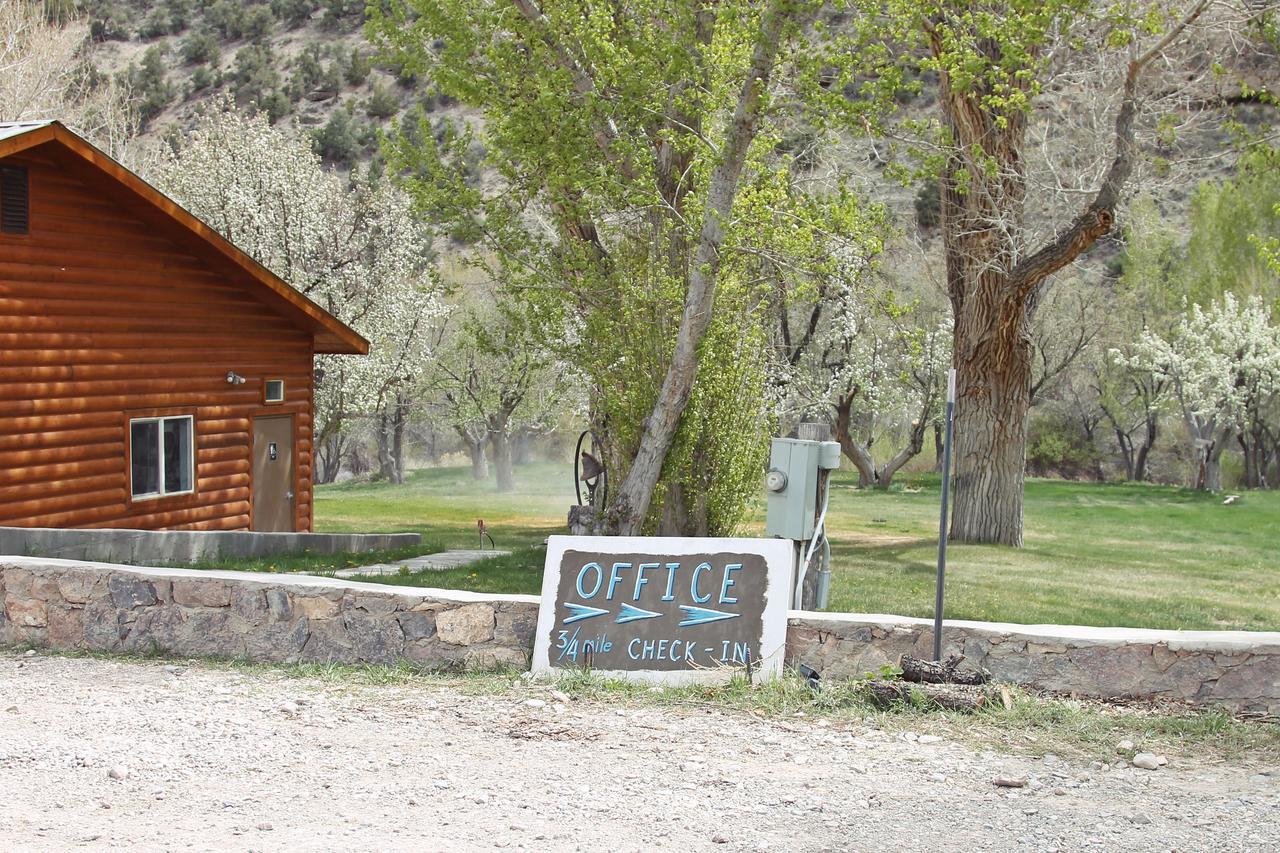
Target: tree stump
{"points": [[940, 672]]}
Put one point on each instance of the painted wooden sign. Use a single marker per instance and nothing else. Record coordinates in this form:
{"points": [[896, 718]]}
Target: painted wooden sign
{"points": [[664, 610]]}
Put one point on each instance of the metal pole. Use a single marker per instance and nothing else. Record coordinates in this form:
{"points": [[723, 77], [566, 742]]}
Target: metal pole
{"points": [[942, 522]]}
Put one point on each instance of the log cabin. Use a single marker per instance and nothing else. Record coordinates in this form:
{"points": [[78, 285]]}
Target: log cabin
{"points": [[152, 375]]}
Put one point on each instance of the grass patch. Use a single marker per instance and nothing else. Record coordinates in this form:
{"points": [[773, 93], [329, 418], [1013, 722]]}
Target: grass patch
{"points": [[1096, 554], [519, 571], [319, 564]]}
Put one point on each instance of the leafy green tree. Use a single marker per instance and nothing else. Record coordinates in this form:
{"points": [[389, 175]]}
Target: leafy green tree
{"points": [[1229, 220], [992, 62], [642, 198]]}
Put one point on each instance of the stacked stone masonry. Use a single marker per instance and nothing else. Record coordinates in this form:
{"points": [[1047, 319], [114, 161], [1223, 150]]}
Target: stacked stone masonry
{"points": [[1238, 670], [70, 605], [274, 618]]}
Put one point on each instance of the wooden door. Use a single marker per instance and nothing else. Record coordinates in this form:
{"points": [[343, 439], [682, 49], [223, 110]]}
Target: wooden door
{"points": [[273, 481]]}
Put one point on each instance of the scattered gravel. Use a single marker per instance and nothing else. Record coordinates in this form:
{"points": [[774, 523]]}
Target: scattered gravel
{"points": [[214, 763]]}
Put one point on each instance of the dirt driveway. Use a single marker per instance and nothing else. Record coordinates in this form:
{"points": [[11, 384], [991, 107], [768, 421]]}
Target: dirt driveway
{"points": [[214, 758]]}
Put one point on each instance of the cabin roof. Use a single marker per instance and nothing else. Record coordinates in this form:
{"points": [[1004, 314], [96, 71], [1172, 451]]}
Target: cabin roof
{"points": [[331, 334]]}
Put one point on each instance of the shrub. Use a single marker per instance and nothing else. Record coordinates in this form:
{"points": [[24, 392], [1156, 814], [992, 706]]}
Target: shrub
{"points": [[306, 70], [1057, 446], [338, 141], [179, 14], [276, 105], [340, 13], [928, 205], [255, 76], [203, 78], [109, 21], [257, 22], [358, 67], [200, 47], [150, 84], [227, 17], [330, 84], [156, 24], [383, 102], [293, 13]]}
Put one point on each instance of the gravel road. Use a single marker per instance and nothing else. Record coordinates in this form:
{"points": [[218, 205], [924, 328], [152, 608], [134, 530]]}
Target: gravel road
{"points": [[223, 759]]}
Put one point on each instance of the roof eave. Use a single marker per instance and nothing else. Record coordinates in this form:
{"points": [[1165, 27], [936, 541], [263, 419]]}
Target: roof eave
{"points": [[331, 335]]}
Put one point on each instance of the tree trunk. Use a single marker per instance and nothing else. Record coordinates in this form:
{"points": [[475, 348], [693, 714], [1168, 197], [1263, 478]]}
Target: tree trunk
{"points": [[501, 443], [397, 438], [475, 448], [939, 450], [1144, 452], [630, 505], [990, 447], [522, 447], [1127, 453], [675, 519], [386, 459], [330, 458], [849, 446], [869, 474]]}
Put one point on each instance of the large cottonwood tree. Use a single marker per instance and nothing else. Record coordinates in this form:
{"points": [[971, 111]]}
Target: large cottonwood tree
{"points": [[993, 63]]}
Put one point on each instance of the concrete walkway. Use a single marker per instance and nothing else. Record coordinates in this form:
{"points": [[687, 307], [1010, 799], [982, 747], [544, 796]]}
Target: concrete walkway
{"points": [[430, 563]]}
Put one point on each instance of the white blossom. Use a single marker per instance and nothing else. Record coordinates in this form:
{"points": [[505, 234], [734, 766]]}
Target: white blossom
{"points": [[352, 248]]}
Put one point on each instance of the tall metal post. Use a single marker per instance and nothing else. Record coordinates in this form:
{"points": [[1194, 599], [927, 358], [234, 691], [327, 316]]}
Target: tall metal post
{"points": [[942, 522]]}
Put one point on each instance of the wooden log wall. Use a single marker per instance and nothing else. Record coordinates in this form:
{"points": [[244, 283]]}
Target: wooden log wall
{"points": [[107, 316]]}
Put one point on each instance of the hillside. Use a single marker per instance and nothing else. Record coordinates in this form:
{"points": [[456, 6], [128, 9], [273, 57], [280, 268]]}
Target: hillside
{"points": [[307, 61], [296, 60]]}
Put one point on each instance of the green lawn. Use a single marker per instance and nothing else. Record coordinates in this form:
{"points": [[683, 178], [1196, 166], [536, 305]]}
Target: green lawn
{"points": [[1120, 554]]}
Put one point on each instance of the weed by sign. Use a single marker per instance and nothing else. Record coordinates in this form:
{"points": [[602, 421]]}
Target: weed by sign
{"points": [[669, 610]]}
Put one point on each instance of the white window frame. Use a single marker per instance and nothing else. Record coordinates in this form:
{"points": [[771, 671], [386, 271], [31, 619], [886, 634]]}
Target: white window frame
{"points": [[266, 392], [191, 461]]}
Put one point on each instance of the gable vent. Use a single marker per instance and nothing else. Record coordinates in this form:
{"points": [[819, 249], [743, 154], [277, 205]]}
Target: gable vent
{"points": [[14, 202]]}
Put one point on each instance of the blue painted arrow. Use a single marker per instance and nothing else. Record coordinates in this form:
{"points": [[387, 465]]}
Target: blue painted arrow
{"points": [[582, 611], [702, 615], [628, 613]]}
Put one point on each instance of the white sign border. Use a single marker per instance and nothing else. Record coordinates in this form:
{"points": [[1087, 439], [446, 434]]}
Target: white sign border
{"points": [[779, 556]]}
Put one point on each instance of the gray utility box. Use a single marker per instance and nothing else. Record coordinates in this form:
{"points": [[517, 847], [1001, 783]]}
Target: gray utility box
{"points": [[793, 485]]}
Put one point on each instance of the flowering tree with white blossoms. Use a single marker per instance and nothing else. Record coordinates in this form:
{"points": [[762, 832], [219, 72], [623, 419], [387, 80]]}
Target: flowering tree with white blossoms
{"points": [[351, 247], [1224, 365], [870, 366]]}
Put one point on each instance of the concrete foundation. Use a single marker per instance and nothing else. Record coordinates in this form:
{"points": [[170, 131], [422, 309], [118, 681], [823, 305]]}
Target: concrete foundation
{"points": [[144, 547]]}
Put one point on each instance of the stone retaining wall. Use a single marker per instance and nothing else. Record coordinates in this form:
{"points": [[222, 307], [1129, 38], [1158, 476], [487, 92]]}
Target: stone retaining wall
{"points": [[143, 547], [287, 618], [1239, 670], [276, 618]]}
